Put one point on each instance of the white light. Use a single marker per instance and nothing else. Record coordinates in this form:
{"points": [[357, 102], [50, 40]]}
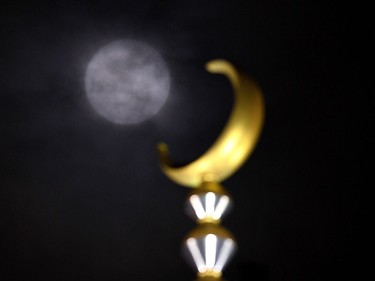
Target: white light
{"points": [[127, 81], [220, 207], [197, 206], [210, 203], [197, 257], [210, 250], [225, 253]]}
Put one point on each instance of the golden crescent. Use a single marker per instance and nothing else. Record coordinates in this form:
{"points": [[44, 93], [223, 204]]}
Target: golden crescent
{"points": [[236, 141]]}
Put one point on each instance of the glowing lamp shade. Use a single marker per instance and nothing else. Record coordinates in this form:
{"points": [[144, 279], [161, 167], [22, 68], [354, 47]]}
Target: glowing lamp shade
{"points": [[208, 249], [208, 206]]}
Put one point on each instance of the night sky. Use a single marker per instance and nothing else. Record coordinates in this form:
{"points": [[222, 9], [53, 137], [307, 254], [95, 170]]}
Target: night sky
{"points": [[82, 198]]}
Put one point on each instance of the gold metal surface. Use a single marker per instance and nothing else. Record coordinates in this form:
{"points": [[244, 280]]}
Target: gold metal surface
{"points": [[209, 275], [209, 186], [209, 228], [236, 141]]}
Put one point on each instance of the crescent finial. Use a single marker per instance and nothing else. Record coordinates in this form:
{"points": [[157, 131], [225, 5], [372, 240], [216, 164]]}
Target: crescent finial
{"points": [[236, 141]]}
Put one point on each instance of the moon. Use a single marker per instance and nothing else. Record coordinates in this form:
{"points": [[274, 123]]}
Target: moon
{"points": [[127, 81]]}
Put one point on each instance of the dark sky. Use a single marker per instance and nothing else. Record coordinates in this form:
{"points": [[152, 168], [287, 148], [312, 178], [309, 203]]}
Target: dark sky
{"points": [[82, 198]]}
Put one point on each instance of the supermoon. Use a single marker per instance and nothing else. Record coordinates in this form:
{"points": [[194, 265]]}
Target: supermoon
{"points": [[127, 82]]}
